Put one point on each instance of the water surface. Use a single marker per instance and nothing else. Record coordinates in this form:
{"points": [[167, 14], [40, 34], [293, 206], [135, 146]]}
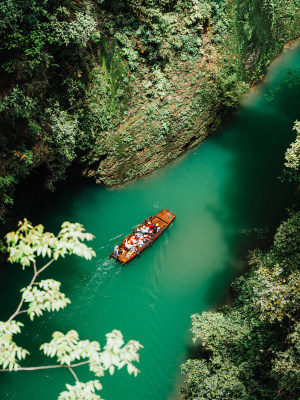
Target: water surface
{"points": [[226, 194]]}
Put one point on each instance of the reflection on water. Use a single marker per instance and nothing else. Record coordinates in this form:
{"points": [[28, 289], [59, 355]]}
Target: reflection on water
{"points": [[226, 196]]}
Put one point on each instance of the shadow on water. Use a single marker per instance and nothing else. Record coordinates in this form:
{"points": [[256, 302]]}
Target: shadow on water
{"points": [[256, 195]]}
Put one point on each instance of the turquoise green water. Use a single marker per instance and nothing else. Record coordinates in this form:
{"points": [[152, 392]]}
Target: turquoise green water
{"points": [[224, 192]]}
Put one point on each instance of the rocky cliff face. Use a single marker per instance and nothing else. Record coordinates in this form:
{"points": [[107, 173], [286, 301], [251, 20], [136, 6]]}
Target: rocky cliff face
{"points": [[157, 125], [174, 104]]}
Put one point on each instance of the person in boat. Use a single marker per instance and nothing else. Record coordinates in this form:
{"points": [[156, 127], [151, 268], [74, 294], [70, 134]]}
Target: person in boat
{"points": [[151, 232], [141, 241], [150, 224], [131, 253], [138, 233], [156, 228], [144, 229], [146, 237], [117, 251], [128, 245], [133, 240]]}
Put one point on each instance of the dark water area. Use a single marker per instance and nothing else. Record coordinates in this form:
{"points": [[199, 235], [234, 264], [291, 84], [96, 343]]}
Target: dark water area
{"points": [[227, 197]]}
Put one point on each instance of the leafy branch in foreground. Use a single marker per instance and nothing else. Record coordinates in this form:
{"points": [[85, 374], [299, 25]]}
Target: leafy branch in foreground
{"points": [[24, 246]]}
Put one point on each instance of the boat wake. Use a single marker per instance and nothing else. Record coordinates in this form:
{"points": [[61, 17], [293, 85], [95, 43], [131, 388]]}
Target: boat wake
{"points": [[116, 237]]}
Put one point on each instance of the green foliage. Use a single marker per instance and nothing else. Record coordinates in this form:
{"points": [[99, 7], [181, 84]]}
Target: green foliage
{"points": [[292, 155], [217, 330], [10, 352], [259, 30], [65, 32], [82, 391], [68, 348], [274, 295], [219, 378], [285, 250], [17, 104], [64, 131], [233, 91], [25, 246], [44, 72], [29, 242], [49, 298], [286, 364], [160, 34], [6, 184], [219, 381]]}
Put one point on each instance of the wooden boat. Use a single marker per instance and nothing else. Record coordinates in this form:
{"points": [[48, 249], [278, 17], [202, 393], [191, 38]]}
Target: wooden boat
{"points": [[164, 218]]}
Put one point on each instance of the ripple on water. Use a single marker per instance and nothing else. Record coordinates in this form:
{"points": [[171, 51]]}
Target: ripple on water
{"points": [[105, 266]]}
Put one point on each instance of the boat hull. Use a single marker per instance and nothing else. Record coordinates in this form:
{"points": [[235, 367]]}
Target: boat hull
{"points": [[164, 218]]}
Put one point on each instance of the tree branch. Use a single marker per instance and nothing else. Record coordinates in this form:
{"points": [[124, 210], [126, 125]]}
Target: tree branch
{"points": [[34, 267], [46, 367], [44, 267], [73, 373], [36, 273], [17, 310], [22, 311]]}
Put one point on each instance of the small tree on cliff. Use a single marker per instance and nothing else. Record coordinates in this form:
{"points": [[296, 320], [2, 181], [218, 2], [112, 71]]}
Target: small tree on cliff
{"points": [[292, 155], [24, 246]]}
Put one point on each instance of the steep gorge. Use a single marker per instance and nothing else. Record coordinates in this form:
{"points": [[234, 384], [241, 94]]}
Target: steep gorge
{"points": [[121, 88]]}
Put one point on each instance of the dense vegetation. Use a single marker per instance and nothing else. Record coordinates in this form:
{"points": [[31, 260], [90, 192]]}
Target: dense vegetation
{"points": [[251, 349], [121, 87]]}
